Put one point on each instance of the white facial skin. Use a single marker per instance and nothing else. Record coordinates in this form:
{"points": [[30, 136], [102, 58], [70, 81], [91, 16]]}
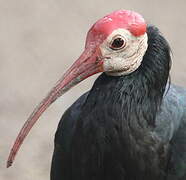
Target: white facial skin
{"points": [[126, 59]]}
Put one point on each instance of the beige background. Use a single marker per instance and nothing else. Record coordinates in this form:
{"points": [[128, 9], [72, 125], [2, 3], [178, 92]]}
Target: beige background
{"points": [[39, 39]]}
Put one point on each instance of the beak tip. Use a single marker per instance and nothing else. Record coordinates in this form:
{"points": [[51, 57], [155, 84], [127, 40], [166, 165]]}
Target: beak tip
{"points": [[9, 163], [10, 160]]}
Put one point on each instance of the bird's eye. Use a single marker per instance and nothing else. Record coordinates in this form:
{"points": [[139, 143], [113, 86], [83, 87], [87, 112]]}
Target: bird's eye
{"points": [[117, 43]]}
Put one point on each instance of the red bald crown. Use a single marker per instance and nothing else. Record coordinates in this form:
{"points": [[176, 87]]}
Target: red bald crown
{"points": [[124, 19]]}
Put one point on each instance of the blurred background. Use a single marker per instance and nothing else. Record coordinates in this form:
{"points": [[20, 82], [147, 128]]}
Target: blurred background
{"points": [[39, 40]]}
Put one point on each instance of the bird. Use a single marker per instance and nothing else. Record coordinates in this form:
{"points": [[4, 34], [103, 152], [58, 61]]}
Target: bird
{"points": [[131, 125]]}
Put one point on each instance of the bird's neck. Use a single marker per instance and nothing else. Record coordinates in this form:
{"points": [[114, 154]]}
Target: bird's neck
{"points": [[123, 112], [132, 98]]}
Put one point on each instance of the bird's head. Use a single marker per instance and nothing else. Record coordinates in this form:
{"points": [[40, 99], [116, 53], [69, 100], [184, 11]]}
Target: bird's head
{"points": [[115, 45], [119, 41]]}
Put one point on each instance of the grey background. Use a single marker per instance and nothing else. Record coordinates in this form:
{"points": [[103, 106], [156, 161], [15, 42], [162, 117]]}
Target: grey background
{"points": [[39, 40]]}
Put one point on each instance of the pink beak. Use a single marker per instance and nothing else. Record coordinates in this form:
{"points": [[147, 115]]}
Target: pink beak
{"points": [[89, 63]]}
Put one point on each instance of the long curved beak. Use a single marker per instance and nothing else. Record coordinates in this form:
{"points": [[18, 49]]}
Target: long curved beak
{"points": [[87, 64]]}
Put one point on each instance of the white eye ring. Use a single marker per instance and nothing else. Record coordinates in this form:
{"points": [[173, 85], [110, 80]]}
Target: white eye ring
{"points": [[117, 43]]}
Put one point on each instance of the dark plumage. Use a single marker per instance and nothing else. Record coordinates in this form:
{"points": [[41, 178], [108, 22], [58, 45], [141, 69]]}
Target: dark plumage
{"points": [[129, 127]]}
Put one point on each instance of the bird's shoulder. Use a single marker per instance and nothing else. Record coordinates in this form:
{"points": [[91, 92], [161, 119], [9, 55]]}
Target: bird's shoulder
{"points": [[172, 112], [174, 117], [178, 143]]}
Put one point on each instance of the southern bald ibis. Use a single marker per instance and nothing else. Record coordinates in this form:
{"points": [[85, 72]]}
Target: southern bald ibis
{"points": [[132, 124]]}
